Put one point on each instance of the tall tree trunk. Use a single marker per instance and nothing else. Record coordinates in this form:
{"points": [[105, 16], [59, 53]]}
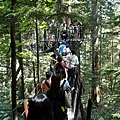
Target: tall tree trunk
{"points": [[38, 62], [94, 36], [13, 63], [34, 76], [20, 59]]}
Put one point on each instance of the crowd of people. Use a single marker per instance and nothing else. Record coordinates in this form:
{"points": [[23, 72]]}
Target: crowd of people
{"points": [[63, 31], [54, 100], [73, 30]]}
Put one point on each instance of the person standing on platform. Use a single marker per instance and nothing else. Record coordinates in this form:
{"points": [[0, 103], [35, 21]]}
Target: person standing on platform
{"points": [[64, 35], [71, 31], [62, 47], [79, 25]]}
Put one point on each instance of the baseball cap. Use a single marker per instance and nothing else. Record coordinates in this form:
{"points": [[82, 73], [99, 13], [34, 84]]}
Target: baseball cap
{"points": [[48, 74]]}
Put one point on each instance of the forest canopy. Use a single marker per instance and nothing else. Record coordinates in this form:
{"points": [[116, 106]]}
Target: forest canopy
{"points": [[24, 58]]}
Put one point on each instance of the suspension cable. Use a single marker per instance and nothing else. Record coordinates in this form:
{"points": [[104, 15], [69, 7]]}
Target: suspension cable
{"points": [[20, 104]]}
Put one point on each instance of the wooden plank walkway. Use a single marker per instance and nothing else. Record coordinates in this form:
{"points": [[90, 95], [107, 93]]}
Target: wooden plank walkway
{"points": [[71, 111], [70, 114]]}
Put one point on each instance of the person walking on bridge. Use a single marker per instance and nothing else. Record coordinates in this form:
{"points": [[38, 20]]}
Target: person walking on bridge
{"points": [[46, 83], [40, 108], [72, 64]]}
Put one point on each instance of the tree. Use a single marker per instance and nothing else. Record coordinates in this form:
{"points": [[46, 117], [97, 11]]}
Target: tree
{"points": [[13, 62], [94, 37]]}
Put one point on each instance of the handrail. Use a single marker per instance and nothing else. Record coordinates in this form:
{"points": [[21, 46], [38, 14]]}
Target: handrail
{"points": [[77, 105], [79, 112], [73, 93], [11, 111]]}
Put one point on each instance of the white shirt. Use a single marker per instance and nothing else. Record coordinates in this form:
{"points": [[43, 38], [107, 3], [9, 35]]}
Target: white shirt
{"points": [[73, 60], [67, 50], [64, 58]]}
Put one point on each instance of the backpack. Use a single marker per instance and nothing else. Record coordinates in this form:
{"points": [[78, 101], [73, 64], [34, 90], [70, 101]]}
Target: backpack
{"points": [[67, 88], [57, 110], [46, 82], [62, 84]]}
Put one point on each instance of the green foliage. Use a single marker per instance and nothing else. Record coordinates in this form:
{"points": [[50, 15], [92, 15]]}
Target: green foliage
{"points": [[25, 14], [116, 115]]}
